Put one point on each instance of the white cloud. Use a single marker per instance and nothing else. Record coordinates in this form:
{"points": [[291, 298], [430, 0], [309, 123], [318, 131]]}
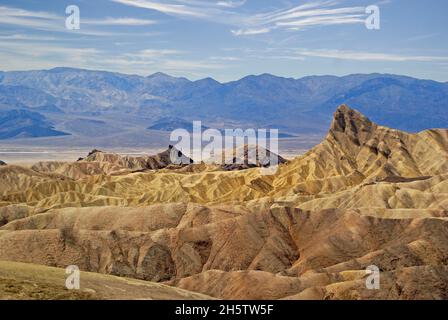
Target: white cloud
{"points": [[43, 51], [246, 32], [175, 9], [368, 56], [31, 19], [152, 53], [119, 22], [22, 13], [224, 58], [46, 21], [231, 4], [321, 21], [26, 37], [306, 15]]}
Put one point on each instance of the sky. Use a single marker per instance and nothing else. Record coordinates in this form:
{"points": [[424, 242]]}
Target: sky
{"points": [[228, 39]]}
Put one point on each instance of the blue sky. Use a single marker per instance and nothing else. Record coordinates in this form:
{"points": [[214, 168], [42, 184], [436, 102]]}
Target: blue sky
{"points": [[227, 39]]}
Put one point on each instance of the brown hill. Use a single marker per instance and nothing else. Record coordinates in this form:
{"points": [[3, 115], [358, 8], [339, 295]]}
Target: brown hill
{"points": [[102, 163], [246, 157], [159, 161]]}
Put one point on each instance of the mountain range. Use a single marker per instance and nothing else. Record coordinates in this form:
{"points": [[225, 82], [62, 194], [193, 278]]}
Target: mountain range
{"points": [[68, 100]]}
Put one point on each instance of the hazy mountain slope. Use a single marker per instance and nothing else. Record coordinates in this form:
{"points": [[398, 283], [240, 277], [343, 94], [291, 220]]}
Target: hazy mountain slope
{"points": [[170, 124], [26, 97], [397, 102], [297, 105], [26, 124]]}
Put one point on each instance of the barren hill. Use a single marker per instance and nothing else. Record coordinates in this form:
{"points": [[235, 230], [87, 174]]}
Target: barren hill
{"points": [[20, 281], [366, 195], [103, 163]]}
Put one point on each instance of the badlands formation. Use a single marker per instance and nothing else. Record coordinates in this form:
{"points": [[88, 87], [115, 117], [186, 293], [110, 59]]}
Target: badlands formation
{"points": [[366, 195]]}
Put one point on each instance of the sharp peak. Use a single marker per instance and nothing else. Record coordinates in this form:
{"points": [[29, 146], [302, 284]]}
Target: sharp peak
{"points": [[346, 120], [345, 109], [208, 79], [164, 76], [159, 74]]}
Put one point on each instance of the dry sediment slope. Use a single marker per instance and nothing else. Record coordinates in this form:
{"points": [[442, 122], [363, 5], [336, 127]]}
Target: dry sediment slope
{"points": [[101, 163], [21, 281], [365, 195]]}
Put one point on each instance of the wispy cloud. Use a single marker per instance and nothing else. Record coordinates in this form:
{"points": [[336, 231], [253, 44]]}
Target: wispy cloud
{"points": [[369, 56], [47, 50], [311, 14], [152, 53], [304, 16], [246, 32], [119, 22], [46, 21], [224, 58], [31, 19], [231, 4], [168, 8], [423, 36], [22, 37]]}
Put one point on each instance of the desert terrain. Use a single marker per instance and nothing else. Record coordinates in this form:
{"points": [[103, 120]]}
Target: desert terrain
{"points": [[365, 195]]}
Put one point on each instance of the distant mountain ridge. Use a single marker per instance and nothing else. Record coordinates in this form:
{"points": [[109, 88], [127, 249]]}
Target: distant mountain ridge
{"points": [[25, 124], [298, 105]]}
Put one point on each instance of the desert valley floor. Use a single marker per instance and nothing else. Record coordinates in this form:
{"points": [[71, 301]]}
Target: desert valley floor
{"points": [[366, 195]]}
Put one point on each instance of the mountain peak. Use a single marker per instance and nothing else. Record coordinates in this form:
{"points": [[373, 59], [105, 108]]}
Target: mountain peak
{"points": [[208, 81], [349, 121], [163, 77], [159, 75], [69, 69]]}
